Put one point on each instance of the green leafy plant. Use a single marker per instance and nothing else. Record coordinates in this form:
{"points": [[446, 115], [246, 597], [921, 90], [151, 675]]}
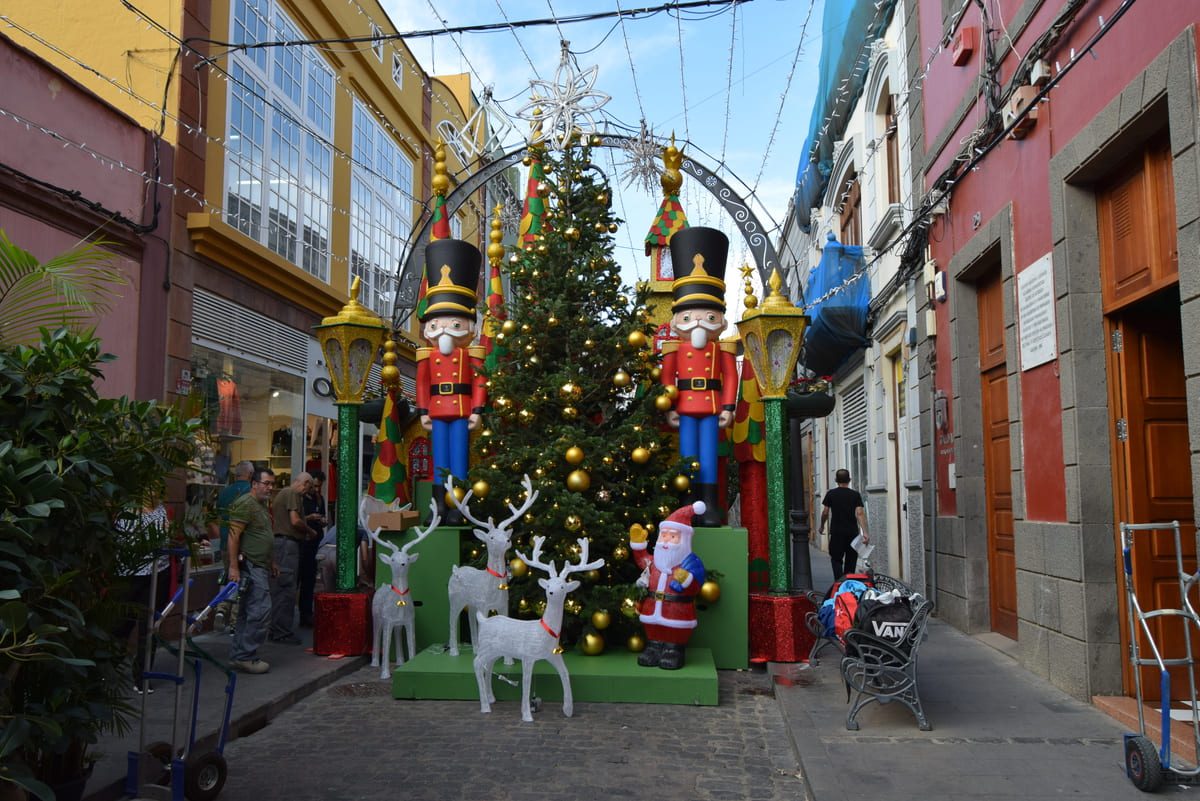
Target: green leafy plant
{"points": [[68, 290], [71, 464]]}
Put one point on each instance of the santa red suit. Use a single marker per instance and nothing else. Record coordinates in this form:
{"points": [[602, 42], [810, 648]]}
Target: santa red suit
{"points": [[668, 611]]}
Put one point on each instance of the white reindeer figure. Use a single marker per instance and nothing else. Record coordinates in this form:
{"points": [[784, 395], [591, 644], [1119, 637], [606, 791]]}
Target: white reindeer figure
{"points": [[392, 609], [530, 640], [483, 591]]}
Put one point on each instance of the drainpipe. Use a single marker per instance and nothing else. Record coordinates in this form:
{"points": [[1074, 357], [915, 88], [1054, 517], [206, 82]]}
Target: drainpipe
{"points": [[933, 477]]}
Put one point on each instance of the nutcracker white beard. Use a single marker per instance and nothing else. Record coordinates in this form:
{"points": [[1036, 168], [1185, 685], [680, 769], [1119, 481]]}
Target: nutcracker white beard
{"points": [[670, 555], [699, 331]]}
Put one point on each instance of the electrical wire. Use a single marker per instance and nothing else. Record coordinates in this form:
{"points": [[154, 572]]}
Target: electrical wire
{"points": [[729, 81]]}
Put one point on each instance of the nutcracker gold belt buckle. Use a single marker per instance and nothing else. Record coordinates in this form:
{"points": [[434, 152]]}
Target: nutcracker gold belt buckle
{"points": [[446, 388]]}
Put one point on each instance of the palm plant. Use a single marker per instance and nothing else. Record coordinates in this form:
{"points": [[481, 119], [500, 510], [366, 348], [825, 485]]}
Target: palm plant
{"points": [[68, 290]]}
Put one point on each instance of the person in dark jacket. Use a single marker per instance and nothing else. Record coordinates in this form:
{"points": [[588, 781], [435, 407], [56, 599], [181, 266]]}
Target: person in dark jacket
{"points": [[845, 517]]}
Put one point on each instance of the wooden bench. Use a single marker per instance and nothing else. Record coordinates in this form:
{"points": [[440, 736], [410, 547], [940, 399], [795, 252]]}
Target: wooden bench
{"points": [[882, 670]]}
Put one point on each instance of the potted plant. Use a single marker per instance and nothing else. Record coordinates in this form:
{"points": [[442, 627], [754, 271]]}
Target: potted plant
{"points": [[71, 463]]}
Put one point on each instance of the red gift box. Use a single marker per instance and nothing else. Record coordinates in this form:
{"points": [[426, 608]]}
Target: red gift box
{"points": [[777, 630], [342, 623]]}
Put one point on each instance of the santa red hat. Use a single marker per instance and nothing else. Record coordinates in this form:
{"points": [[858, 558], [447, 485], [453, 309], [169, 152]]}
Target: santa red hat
{"points": [[681, 519]]}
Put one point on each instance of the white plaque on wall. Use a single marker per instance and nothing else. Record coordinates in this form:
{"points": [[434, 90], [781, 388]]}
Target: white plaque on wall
{"points": [[1035, 313]]}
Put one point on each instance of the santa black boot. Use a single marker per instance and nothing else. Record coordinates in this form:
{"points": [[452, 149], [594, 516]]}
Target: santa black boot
{"points": [[652, 656], [711, 516], [672, 657]]}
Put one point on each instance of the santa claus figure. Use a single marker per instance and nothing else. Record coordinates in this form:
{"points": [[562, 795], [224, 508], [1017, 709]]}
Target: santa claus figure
{"points": [[451, 393], [672, 576]]}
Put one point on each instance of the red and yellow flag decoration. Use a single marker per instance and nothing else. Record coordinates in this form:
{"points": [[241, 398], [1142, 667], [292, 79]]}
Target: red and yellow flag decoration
{"points": [[495, 313], [388, 479], [441, 222]]}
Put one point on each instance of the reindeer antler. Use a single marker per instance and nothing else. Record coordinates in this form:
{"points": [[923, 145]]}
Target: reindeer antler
{"points": [[579, 566], [531, 495], [462, 506], [382, 543], [536, 561], [434, 519]]}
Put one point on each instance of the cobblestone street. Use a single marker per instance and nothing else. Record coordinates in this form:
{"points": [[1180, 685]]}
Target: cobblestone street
{"points": [[353, 741]]}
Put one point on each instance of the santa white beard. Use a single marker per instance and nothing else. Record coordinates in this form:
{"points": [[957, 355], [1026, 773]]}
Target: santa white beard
{"points": [[670, 555]]}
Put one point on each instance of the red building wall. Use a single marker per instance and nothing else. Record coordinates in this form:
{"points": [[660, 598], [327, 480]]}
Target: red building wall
{"points": [[1017, 173]]}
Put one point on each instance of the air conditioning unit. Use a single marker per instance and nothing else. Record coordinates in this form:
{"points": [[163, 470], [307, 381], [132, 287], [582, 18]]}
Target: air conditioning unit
{"points": [[1039, 73]]}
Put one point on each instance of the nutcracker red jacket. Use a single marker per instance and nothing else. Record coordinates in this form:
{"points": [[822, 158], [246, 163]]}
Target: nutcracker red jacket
{"points": [[684, 366], [449, 387]]}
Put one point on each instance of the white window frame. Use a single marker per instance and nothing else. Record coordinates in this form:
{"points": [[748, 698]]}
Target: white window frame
{"points": [[381, 209], [279, 160], [397, 70], [377, 44]]}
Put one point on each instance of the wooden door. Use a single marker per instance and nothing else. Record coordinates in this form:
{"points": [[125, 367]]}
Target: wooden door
{"points": [[1152, 472], [997, 457]]}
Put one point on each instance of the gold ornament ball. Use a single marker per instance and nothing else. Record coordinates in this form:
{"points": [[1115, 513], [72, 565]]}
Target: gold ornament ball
{"points": [[640, 455], [502, 404], [552, 321], [457, 493], [389, 375], [601, 619], [672, 392], [601, 227], [621, 379], [534, 359], [508, 327], [637, 339], [523, 606], [592, 644], [695, 466], [592, 576], [602, 198], [481, 488], [578, 481], [525, 416], [527, 161], [474, 553], [636, 643], [572, 607], [608, 460], [542, 251], [571, 234], [664, 510], [629, 607], [589, 343], [569, 412], [681, 483], [710, 591], [574, 454], [573, 523], [569, 391], [656, 373], [613, 228], [620, 553], [663, 403], [518, 568], [539, 606]]}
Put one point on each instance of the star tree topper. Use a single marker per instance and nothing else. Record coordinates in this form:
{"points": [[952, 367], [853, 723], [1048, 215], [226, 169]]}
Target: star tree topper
{"points": [[484, 132], [567, 103]]}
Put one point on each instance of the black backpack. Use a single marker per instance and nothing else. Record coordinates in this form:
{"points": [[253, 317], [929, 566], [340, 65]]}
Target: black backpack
{"points": [[887, 621]]}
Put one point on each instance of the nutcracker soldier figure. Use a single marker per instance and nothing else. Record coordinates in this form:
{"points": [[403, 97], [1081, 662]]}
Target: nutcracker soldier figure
{"points": [[701, 369], [672, 576], [451, 393]]}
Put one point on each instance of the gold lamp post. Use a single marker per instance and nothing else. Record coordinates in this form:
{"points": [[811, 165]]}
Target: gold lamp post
{"points": [[773, 334], [349, 339]]}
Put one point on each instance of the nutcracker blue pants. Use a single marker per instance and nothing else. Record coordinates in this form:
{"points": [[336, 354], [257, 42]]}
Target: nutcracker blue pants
{"points": [[449, 448], [698, 442]]}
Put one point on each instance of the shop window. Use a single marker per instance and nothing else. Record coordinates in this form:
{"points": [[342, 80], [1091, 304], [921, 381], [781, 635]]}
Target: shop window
{"points": [[892, 151], [279, 157], [380, 210], [851, 213]]}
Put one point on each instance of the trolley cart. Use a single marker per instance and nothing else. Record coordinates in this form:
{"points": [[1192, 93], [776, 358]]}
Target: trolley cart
{"points": [[1146, 766], [163, 771]]}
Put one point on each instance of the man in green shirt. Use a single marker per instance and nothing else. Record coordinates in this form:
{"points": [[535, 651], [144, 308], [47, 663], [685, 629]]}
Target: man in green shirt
{"points": [[290, 530], [251, 565]]}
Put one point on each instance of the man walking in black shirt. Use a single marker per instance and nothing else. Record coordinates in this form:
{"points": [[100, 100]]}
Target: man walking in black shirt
{"points": [[845, 507]]}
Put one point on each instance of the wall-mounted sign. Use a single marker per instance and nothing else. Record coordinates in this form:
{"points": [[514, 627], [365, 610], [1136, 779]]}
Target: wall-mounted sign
{"points": [[1038, 332]]}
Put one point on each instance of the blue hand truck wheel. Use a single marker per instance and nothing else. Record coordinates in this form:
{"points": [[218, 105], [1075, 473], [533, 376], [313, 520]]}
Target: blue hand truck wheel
{"points": [[204, 776], [1141, 763]]}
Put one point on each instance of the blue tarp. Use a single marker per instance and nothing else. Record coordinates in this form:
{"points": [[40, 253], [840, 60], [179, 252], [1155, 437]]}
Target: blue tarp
{"points": [[848, 28], [839, 322]]}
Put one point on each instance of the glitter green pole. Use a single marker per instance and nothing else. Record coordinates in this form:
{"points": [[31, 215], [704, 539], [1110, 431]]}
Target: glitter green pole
{"points": [[347, 493], [775, 412]]}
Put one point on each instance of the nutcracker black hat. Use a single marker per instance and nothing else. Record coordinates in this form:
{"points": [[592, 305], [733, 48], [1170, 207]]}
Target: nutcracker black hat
{"points": [[452, 272], [698, 257]]}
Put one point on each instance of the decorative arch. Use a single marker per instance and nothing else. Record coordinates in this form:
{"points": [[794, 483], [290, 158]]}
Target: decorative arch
{"points": [[752, 229]]}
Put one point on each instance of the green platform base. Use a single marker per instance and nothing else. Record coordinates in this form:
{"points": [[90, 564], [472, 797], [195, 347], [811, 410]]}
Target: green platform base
{"points": [[612, 677], [723, 627], [428, 579]]}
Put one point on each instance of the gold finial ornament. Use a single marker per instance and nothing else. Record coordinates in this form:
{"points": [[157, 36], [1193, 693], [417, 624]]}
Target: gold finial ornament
{"points": [[495, 251], [389, 376], [672, 178], [751, 300], [441, 179], [776, 301]]}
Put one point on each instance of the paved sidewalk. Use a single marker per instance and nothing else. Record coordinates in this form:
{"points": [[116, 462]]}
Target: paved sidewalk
{"points": [[999, 731], [295, 674]]}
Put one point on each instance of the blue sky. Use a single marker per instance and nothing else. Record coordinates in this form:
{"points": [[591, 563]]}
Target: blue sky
{"points": [[731, 109]]}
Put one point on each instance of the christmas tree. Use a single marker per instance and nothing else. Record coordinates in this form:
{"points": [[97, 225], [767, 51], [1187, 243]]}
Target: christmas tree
{"points": [[576, 405]]}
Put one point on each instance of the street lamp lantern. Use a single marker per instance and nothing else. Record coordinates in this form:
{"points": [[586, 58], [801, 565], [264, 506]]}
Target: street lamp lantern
{"points": [[350, 339], [773, 334]]}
